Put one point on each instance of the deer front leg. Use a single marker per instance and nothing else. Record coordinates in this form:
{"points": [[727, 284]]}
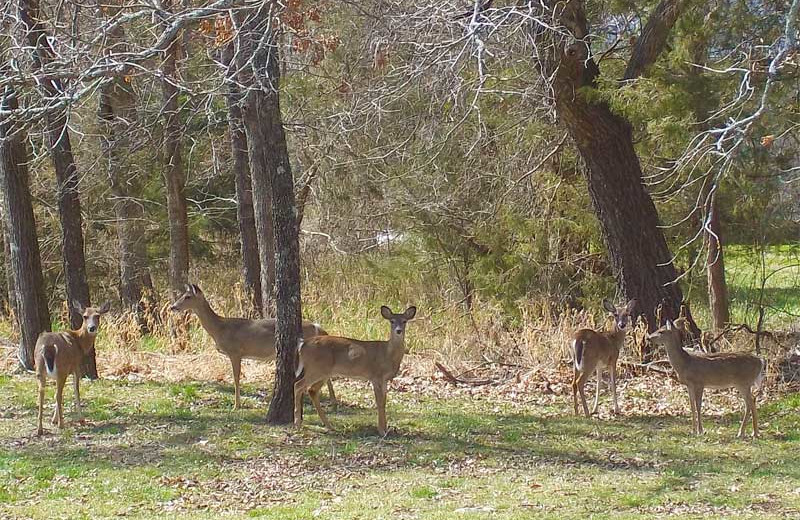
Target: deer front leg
{"points": [[77, 385], [693, 408], [597, 390], [698, 397], [236, 364], [41, 379], [379, 387]]}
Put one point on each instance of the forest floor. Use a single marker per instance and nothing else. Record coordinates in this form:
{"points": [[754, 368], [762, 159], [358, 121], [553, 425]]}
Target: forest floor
{"points": [[157, 447]]}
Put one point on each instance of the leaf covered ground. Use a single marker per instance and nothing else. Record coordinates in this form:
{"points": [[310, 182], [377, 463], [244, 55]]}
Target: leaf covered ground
{"points": [[510, 450]]}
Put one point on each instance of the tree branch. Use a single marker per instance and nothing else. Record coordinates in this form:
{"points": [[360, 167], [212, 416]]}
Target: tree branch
{"points": [[654, 37]]}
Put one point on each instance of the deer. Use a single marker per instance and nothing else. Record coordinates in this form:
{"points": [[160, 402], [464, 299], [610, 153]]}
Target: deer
{"points": [[238, 338], [59, 354], [597, 350], [378, 362], [698, 371]]}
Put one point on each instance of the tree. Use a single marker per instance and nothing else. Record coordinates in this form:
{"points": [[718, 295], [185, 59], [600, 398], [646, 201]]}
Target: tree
{"points": [[273, 188], [248, 240], [69, 205], [174, 169], [20, 231]]}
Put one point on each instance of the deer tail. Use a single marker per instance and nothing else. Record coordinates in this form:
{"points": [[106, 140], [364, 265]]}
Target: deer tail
{"points": [[300, 367], [49, 353], [577, 347]]}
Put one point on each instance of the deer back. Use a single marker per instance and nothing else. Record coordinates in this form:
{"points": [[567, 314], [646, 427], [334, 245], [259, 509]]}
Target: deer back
{"points": [[337, 356], [599, 347], [68, 351]]}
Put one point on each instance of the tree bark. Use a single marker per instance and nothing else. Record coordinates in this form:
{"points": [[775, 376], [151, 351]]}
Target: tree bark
{"points": [[640, 258], [118, 120], [174, 171], [8, 280], [69, 204], [715, 270], [273, 189], [251, 267], [20, 227]]}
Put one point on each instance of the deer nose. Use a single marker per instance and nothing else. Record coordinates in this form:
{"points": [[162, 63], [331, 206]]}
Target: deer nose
{"points": [[92, 328], [173, 307]]}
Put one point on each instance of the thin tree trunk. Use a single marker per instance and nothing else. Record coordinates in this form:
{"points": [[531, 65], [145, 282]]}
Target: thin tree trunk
{"points": [[251, 267], [117, 115], [715, 270], [20, 227], [273, 190], [69, 204], [174, 171], [5, 296]]}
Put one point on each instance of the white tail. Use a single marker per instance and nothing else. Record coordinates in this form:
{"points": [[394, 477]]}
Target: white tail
{"points": [[59, 354], [594, 351], [323, 357], [238, 338], [698, 371], [300, 361]]}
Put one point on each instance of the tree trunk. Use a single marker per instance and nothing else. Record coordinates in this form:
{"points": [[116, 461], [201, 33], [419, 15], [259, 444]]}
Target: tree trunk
{"points": [[715, 270], [640, 258], [20, 227], [117, 115], [69, 204], [174, 171], [251, 267], [273, 197], [7, 280]]}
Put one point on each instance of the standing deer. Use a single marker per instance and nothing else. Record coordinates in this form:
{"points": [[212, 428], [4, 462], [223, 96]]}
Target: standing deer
{"points": [[378, 362], [239, 338], [59, 354], [595, 350], [698, 371]]}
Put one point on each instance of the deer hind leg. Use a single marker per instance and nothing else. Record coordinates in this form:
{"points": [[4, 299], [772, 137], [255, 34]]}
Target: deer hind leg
{"points": [[575, 377], [332, 396], [299, 389], [581, 383], [41, 379], [749, 408], [236, 364], [599, 377], [313, 393], [58, 413], [379, 387]]}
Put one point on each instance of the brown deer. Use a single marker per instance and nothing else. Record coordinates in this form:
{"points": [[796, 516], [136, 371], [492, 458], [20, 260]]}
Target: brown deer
{"points": [[59, 354], [699, 371], [595, 351], [239, 338], [378, 362]]}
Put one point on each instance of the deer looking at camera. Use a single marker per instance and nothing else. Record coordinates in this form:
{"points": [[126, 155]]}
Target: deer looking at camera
{"points": [[595, 351], [239, 338], [59, 354], [378, 362], [697, 371]]}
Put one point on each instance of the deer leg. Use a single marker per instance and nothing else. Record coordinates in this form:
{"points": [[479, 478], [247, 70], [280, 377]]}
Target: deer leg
{"points": [[332, 396], [698, 396], [77, 386], [299, 390], [614, 388], [58, 416], [692, 406], [581, 384], [575, 378], [754, 413], [379, 387], [236, 364], [313, 393], [597, 390], [41, 378]]}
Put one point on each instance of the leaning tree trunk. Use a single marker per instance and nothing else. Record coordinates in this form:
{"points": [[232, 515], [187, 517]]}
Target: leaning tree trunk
{"points": [[640, 258], [272, 175], [174, 170], [251, 267], [20, 227], [69, 204]]}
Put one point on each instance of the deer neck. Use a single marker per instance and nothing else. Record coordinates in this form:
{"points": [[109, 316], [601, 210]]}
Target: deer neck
{"points": [[84, 338], [210, 320], [678, 357], [396, 348], [616, 336]]}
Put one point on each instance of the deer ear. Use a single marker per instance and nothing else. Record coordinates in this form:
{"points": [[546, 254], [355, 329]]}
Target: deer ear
{"points": [[78, 307], [607, 305], [187, 288], [410, 313], [195, 289], [632, 305], [670, 325], [104, 308], [386, 312]]}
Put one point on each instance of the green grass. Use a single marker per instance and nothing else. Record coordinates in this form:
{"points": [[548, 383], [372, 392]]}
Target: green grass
{"points": [[177, 449]]}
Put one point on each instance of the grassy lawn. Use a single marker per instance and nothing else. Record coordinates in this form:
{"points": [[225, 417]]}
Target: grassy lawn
{"points": [[152, 449]]}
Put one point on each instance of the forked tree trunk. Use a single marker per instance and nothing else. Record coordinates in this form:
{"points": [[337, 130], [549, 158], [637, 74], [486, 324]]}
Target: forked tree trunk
{"points": [[272, 175], [174, 171], [69, 204], [251, 267], [20, 228], [640, 258]]}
